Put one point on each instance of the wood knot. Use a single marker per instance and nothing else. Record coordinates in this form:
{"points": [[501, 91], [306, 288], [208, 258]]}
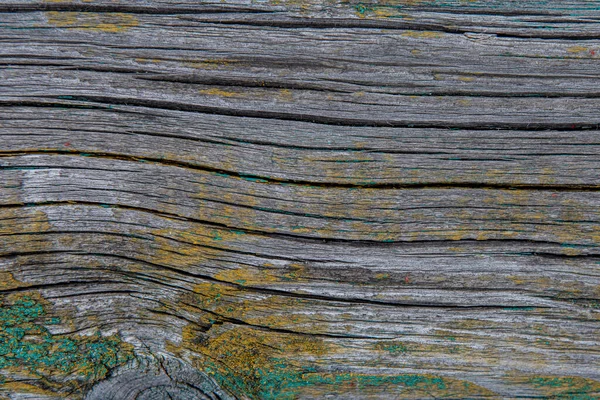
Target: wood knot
{"points": [[157, 378]]}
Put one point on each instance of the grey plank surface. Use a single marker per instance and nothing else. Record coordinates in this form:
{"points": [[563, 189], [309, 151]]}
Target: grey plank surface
{"points": [[299, 199]]}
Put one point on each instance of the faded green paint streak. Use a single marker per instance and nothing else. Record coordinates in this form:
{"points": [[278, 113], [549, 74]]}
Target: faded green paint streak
{"points": [[280, 380], [567, 387]]}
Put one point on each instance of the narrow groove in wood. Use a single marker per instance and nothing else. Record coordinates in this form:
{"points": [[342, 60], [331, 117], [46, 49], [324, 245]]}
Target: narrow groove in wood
{"points": [[59, 285], [276, 235], [130, 9], [273, 180], [317, 119], [310, 296], [341, 23], [248, 83], [237, 321]]}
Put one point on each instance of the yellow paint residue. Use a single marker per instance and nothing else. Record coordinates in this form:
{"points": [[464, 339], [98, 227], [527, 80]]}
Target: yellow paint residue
{"points": [[210, 63], [147, 60], [577, 49], [221, 93], [14, 222], [423, 34], [285, 95], [246, 276], [8, 281], [97, 22], [20, 387]]}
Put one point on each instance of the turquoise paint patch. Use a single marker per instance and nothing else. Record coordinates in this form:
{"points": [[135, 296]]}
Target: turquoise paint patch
{"points": [[26, 343], [280, 381]]}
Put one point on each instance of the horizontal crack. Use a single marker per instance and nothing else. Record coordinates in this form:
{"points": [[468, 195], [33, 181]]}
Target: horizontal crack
{"points": [[290, 116], [299, 182]]}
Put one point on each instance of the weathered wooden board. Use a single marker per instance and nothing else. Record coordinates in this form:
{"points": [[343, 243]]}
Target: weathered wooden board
{"points": [[299, 199]]}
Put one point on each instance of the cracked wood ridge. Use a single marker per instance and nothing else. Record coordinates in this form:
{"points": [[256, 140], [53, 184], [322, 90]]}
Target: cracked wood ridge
{"points": [[289, 199]]}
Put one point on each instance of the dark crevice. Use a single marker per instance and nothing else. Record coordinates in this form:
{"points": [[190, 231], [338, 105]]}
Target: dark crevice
{"points": [[128, 8], [62, 285], [313, 23], [275, 180], [266, 83], [563, 256], [101, 293], [78, 232], [242, 83], [276, 235], [307, 296], [236, 321], [178, 316], [290, 116], [398, 24]]}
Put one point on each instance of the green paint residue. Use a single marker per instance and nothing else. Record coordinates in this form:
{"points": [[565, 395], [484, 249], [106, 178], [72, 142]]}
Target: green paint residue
{"points": [[407, 382], [27, 345], [392, 347], [280, 381], [567, 387], [362, 9], [269, 366]]}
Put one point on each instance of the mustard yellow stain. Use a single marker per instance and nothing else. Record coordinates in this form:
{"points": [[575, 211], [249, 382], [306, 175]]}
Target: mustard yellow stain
{"points": [[98, 22], [8, 281], [220, 93], [577, 49], [285, 95], [517, 280], [20, 387], [15, 222], [246, 276], [148, 60], [423, 34], [466, 78], [382, 12], [240, 356]]}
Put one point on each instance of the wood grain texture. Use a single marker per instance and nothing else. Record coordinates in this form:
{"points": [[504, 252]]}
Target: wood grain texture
{"points": [[299, 199]]}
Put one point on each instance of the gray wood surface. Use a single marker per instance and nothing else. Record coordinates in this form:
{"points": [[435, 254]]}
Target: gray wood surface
{"points": [[299, 199]]}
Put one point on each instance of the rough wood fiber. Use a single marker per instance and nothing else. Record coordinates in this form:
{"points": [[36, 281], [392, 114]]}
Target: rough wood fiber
{"points": [[299, 199]]}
